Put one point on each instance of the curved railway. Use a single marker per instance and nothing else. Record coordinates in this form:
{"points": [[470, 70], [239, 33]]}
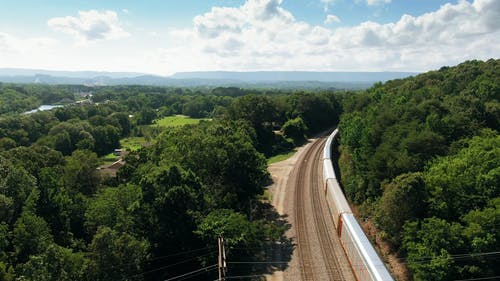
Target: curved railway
{"points": [[364, 260], [330, 244], [317, 245]]}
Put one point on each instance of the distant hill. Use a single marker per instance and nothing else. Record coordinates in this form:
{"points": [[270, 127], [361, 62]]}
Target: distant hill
{"points": [[261, 79], [295, 76], [65, 74]]}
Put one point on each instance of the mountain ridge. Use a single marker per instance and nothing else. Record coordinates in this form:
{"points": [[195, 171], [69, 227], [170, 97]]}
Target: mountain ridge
{"points": [[273, 79]]}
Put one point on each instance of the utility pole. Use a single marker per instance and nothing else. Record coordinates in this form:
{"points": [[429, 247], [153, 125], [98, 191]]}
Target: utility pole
{"points": [[222, 259]]}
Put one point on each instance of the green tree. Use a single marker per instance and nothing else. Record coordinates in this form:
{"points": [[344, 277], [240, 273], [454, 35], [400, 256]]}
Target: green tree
{"points": [[55, 264], [316, 110], [481, 232], [296, 130], [16, 185], [172, 198], [234, 227], [476, 168], [435, 239], [404, 199], [56, 204], [222, 155], [6, 272], [7, 143], [31, 236], [115, 256], [114, 207], [80, 172]]}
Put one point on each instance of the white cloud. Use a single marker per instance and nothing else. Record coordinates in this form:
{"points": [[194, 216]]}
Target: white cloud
{"points": [[90, 25], [261, 34], [327, 3], [377, 2], [22, 52], [12, 44], [125, 11], [332, 19]]}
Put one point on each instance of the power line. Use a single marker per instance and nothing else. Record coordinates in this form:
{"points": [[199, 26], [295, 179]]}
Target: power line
{"points": [[163, 257], [452, 256], [192, 272], [481, 278], [182, 253], [196, 274], [255, 262], [418, 261], [170, 265], [244, 276]]}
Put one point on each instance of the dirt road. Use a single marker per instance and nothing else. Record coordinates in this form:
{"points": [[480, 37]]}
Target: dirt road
{"points": [[298, 194]]}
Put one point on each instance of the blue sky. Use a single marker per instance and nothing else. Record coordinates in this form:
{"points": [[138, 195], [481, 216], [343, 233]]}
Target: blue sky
{"points": [[164, 37]]}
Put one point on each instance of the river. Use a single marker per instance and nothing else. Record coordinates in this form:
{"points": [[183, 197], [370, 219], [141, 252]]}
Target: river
{"points": [[43, 107]]}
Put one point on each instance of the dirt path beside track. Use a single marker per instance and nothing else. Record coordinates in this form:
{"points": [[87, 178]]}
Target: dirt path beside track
{"points": [[297, 193]]}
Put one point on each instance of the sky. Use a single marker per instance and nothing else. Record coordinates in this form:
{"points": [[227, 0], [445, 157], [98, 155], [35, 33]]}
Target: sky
{"points": [[163, 37]]}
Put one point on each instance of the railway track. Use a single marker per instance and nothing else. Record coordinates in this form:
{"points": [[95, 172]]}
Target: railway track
{"points": [[306, 262], [308, 194], [328, 251]]}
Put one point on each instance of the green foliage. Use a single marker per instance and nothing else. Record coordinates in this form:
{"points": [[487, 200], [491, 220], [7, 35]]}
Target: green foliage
{"points": [[60, 221], [116, 256], [319, 111], [234, 227], [34, 158], [172, 198], [433, 239], [476, 167], [178, 120], [426, 150], [280, 157], [440, 250], [56, 263], [31, 235], [81, 172], [114, 207], [482, 227], [404, 199], [222, 155], [132, 143], [398, 127], [14, 98], [6, 272], [296, 130], [56, 205], [16, 185], [256, 109]]}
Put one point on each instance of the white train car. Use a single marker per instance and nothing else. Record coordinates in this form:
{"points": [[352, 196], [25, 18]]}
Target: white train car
{"points": [[336, 202], [327, 154], [365, 263], [328, 172]]}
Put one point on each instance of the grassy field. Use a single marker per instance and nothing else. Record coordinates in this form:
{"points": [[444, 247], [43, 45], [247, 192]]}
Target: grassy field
{"points": [[108, 159], [280, 157], [135, 143], [132, 143], [129, 144], [267, 196], [177, 120]]}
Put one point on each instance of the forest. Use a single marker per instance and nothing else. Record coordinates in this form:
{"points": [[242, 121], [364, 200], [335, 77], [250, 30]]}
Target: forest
{"points": [[161, 215], [421, 158]]}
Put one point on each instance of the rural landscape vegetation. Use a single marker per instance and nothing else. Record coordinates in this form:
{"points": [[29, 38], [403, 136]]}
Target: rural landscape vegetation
{"points": [[138, 180]]}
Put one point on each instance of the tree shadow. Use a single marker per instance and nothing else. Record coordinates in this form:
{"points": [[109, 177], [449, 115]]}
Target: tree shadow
{"points": [[275, 254]]}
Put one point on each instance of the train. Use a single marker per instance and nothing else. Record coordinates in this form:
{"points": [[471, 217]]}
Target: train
{"points": [[364, 260]]}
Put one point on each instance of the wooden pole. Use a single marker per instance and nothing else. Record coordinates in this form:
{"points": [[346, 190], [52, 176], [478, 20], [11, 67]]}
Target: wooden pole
{"points": [[222, 259], [219, 243]]}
